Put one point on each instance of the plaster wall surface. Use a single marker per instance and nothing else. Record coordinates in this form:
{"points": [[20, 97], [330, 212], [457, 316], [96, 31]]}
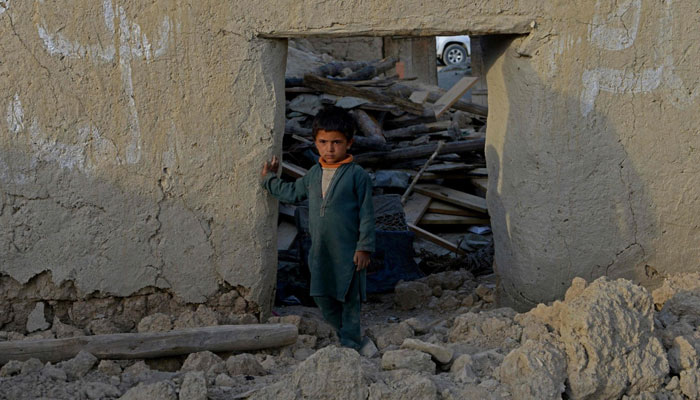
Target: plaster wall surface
{"points": [[133, 135]]}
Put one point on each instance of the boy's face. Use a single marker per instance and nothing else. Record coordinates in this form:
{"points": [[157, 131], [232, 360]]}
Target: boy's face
{"points": [[332, 145]]}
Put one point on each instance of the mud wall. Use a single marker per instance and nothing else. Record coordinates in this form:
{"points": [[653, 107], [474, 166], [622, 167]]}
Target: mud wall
{"points": [[134, 132]]}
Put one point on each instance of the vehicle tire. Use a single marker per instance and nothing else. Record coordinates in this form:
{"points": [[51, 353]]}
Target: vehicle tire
{"points": [[454, 54]]}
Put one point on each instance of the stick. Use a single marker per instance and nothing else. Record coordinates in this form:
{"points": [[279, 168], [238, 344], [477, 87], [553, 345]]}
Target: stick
{"points": [[420, 173], [153, 344]]}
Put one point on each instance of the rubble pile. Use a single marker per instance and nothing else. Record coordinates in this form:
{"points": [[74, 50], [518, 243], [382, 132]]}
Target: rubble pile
{"points": [[605, 340]]}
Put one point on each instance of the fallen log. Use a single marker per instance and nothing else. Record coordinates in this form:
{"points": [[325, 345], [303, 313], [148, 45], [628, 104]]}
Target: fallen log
{"points": [[335, 67], [367, 125], [153, 344], [342, 89], [417, 129], [370, 71], [419, 151]]}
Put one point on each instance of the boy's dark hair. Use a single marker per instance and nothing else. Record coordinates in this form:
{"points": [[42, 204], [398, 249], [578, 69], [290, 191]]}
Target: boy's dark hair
{"points": [[332, 118]]}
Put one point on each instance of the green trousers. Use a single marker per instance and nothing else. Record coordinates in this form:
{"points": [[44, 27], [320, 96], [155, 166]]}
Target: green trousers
{"points": [[344, 316]]}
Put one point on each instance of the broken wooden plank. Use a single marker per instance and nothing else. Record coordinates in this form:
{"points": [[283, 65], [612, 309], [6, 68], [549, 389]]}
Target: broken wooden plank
{"points": [[341, 89], [453, 196], [422, 233], [292, 170], [481, 182], [435, 94], [443, 219], [419, 96], [440, 207], [417, 129], [455, 93], [239, 338], [286, 233], [421, 172], [420, 151], [415, 207], [479, 172]]}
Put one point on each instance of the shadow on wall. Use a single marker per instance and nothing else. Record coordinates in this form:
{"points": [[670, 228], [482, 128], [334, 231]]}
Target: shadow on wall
{"points": [[565, 199]]}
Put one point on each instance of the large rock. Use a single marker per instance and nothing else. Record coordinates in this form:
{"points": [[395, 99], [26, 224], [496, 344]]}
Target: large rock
{"points": [[244, 364], [402, 384], [441, 354], [203, 316], [408, 359], [201, 361], [392, 334], [409, 295], [535, 371], [194, 387], [162, 390], [607, 332], [332, 373], [486, 330]]}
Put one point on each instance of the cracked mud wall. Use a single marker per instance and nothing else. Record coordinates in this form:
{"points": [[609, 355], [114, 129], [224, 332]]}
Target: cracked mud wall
{"points": [[592, 147], [130, 146], [133, 134]]}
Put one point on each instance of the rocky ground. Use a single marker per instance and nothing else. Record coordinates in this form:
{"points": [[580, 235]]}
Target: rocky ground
{"points": [[437, 338]]}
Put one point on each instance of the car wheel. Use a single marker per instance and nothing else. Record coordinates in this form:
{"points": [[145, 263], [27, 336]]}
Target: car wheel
{"points": [[454, 54]]}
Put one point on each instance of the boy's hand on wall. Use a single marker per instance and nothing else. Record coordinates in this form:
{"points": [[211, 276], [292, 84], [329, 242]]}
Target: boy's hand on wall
{"points": [[270, 166], [361, 260]]}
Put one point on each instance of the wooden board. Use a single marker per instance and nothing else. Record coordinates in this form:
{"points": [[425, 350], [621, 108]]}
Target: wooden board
{"points": [[222, 338], [422, 233], [481, 183], [442, 219], [455, 93], [440, 207], [286, 233], [449, 167], [479, 172], [292, 170], [453, 196], [415, 207], [419, 96]]}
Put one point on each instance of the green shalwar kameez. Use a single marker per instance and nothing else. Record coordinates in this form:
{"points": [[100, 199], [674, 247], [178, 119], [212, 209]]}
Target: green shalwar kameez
{"points": [[339, 224]]}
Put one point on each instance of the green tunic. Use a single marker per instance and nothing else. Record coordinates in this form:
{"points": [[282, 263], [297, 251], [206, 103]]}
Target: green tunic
{"points": [[340, 224]]}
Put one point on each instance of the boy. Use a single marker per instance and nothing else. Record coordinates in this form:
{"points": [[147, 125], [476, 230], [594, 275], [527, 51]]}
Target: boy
{"points": [[341, 222]]}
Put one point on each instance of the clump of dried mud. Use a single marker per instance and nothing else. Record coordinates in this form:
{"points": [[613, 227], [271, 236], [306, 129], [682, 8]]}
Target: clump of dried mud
{"points": [[438, 338]]}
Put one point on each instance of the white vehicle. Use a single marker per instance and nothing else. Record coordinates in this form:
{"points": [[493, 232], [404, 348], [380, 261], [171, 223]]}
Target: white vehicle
{"points": [[453, 49]]}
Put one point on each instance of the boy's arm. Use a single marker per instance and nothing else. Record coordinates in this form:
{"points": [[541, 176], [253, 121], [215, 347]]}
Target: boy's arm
{"points": [[286, 192], [364, 195]]}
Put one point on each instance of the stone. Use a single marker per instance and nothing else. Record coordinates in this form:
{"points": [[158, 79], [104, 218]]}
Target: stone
{"points": [[269, 363], [368, 349], [337, 374], [535, 371], [439, 353], [32, 365], [100, 390], [487, 329], [157, 322], [203, 316], [224, 380], [138, 368], [53, 372], [109, 367], [462, 371], [307, 341], [485, 293], [690, 383], [419, 326], [36, 321], [607, 332], [673, 285], [62, 330], [102, 326], [167, 364], [408, 359], [12, 368], [201, 361], [448, 301], [244, 364], [403, 384], [409, 295], [194, 386], [392, 334], [486, 363], [79, 365], [684, 354], [673, 384], [162, 390], [303, 353]]}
